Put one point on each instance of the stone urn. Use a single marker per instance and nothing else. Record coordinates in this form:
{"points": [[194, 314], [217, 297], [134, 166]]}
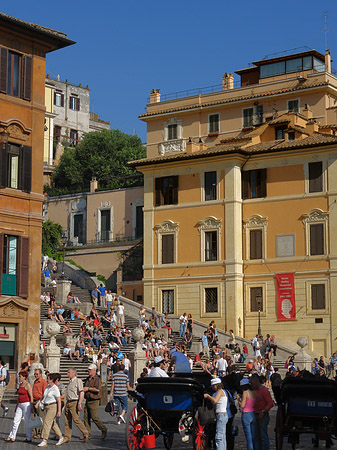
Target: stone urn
{"points": [[53, 329], [138, 334], [302, 342]]}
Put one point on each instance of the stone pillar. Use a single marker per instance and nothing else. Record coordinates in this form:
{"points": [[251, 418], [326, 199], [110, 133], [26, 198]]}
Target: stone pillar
{"points": [[137, 356], [63, 289], [302, 359], [52, 353]]}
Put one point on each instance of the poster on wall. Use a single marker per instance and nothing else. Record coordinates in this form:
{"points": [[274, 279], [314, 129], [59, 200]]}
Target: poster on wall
{"points": [[285, 294]]}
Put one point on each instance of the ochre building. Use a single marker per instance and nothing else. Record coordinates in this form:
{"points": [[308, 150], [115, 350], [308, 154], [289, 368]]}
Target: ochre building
{"points": [[23, 49], [240, 210]]}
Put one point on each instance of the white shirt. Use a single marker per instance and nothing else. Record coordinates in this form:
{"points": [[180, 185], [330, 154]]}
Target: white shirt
{"points": [[183, 319], [3, 373], [50, 394], [120, 310], [221, 364], [126, 363], [108, 297], [221, 406], [157, 372]]}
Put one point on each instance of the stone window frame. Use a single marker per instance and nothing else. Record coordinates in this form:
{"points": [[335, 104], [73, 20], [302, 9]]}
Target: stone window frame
{"points": [[210, 223], [209, 123], [221, 295], [160, 299], [324, 176], [315, 216], [173, 121], [167, 227], [108, 207], [299, 105], [308, 284], [247, 311], [202, 185], [256, 222]]}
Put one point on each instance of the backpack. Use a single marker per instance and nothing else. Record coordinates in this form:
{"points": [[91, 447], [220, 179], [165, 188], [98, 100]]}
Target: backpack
{"points": [[7, 378]]}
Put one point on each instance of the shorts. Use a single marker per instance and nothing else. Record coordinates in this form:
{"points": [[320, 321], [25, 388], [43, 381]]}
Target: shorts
{"points": [[2, 391], [122, 401]]}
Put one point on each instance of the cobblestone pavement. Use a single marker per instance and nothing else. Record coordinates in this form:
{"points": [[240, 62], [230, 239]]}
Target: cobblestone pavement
{"points": [[116, 436]]}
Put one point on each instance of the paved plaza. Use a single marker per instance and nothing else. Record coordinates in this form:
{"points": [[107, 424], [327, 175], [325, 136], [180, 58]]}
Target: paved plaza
{"points": [[116, 436]]}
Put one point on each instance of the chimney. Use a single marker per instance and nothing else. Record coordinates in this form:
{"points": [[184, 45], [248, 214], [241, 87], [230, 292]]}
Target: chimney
{"points": [[93, 184], [307, 112], [227, 81], [327, 61], [155, 96]]}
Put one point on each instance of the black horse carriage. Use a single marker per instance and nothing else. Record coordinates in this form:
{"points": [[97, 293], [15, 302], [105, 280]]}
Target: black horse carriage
{"points": [[166, 406], [306, 405]]}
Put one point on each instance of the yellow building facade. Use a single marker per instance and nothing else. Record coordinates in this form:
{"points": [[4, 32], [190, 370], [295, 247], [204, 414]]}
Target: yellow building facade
{"points": [[239, 202]]}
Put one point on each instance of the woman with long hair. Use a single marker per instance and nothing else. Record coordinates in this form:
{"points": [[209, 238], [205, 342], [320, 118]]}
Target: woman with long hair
{"points": [[51, 403], [219, 400], [246, 403], [24, 408]]}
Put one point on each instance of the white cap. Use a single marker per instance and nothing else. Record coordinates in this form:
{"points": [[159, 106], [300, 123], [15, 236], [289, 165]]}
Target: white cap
{"points": [[158, 359], [215, 381]]}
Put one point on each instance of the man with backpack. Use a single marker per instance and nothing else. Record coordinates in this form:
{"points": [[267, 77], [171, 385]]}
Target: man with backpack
{"points": [[4, 380]]}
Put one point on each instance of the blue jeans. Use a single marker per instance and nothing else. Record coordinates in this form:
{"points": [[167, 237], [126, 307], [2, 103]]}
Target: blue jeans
{"points": [[122, 401], [182, 329], [248, 423], [261, 432], [220, 433]]}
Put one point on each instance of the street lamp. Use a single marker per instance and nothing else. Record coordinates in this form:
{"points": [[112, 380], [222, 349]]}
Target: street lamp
{"points": [[259, 305], [64, 240]]}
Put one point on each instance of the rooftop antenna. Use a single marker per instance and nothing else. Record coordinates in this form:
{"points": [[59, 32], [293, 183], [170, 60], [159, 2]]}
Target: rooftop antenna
{"points": [[325, 31]]}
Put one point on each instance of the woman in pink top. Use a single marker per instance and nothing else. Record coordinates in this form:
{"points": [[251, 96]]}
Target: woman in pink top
{"points": [[246, 404]]}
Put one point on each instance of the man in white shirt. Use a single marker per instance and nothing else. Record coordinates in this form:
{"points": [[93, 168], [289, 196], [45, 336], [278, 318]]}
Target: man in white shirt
{"points": [[108, 298], [120, 315], [221, 366], [182, 320], [158, 370], [3, 375]]}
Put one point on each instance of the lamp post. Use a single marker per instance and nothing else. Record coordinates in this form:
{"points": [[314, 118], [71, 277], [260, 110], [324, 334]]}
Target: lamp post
{"points": [[259, 304], [64, 240]]}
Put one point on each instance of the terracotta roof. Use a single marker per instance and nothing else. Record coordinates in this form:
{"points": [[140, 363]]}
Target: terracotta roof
{"points": [[57, 35], [278, 121], [306, 85], [333, 126], [299, 129], [263, 147]]}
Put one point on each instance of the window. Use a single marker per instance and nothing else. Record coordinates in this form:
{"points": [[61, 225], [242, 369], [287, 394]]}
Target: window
{"points": [[15, 74], [255, 244], [16, 167], [254, 183], [256, 299], [167, 298], [14, 265], [213, 123], [293, 106], [57, 133], [105, 228], [316, 176], [78, 228], [74, 103], [211, 300], [58, 99], [291, 135], [316, 239], [139, 222], [167, 249], [172, 131], [73, 137], [318, 296], [291, 66], [259, 114], [210, 185], [280, 133], [211, 245], [166, 190], [248, 117]]}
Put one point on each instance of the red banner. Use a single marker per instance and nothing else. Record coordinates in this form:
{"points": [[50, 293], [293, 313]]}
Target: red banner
{"points": [[285, 293]]}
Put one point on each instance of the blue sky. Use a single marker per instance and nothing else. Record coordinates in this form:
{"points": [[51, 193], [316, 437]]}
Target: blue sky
{"points": [[125, 48]]}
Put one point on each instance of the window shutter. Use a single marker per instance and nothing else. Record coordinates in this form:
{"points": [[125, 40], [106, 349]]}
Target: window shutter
{"points": [[70, 102], [158, 188], [317, 296], [62, 99], [54, 97], [3, 165], [77, 104], [245, 184], [1, 259], [255, 292], [255, 238], [175, 190], [316, 177], [27, 66], [263, 182], [317, 239], [23, 269], [26, 170], [3, 69], [167, 248]]}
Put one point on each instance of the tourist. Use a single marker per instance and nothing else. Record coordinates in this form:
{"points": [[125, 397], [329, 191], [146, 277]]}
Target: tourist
{"points": [[39, 387], [67, 329], [272, 343], [188, 339], [108, 298], [142, 315], [182, 328], [24, 408], [263, 403], [47, 278], [3, 376], [53, 284], [51, 404], [231, 340], [219, 399], [119, 387], [120, 315], [101, 291], [246, 403], [67, 352], [74, 398], [190, 323], [221, 365], [94, 296], [45, 261], [154, 317], [159, 368], [179, 361], [92, 394]]}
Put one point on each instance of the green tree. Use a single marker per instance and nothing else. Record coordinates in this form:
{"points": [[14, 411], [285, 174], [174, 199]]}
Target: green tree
{"points": [[101, 154], [51, 235]]}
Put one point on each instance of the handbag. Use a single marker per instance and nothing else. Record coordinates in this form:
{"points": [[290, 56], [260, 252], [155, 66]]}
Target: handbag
{"points": [[35, 422], [111, 407], [206, 413]]}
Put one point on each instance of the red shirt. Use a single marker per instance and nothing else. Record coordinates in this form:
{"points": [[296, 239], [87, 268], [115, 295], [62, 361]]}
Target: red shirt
{"points": [[23, 395], [263, 400]]}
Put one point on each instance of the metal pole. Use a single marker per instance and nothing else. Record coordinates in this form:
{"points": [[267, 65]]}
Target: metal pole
{"points": [[259, 327], [64, 251]]}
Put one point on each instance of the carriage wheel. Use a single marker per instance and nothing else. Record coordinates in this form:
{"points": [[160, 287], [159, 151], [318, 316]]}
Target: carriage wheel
{"points": [[279, 429], [200, 439], [168, 440], [134, 430]]}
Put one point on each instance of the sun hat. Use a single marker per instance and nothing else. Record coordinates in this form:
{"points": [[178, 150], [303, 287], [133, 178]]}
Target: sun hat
{"points": [[244, 381], [158, 359], [215, 381]]}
